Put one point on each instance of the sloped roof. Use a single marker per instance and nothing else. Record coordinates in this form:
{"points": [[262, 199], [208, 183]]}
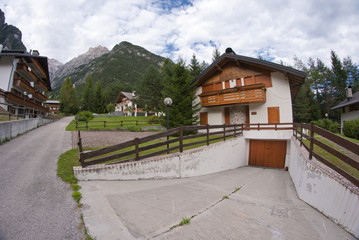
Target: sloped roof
{"points": [[296, 77], [127, 95], [346, 102]]}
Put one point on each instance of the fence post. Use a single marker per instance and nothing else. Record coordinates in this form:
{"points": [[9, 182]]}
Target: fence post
{"points": [[207, 134], [224, 132], [181, 139], [79, 143], [87, 126], [311, 140], [275, 127], [121, 123], [136, 141], [301, 134], [258, 126], [104, 124], [136, 122]]}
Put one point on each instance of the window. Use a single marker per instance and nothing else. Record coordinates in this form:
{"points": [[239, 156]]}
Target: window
{"points": [[203, 118], [273, 115]]}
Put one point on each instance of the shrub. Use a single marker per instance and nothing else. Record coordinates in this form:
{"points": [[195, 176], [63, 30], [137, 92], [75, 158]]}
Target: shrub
{"points": [[85, 116], [154, 119], [327, 125], [134, 128], [77, 196], [351, 128]]}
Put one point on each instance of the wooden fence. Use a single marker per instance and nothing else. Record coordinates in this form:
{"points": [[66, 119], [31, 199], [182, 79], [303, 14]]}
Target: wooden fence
{"points": [[206, 133], [344, 143], [112, 124]]}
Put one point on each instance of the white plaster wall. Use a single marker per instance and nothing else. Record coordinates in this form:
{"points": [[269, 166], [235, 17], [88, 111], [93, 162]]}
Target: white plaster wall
{"points": [[325, 190], [5, 72], [277, 96], [208, 159], [348, 116]]}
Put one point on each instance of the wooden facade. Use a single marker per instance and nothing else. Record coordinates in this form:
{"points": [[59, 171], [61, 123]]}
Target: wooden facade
{"points": [[27, 83]]}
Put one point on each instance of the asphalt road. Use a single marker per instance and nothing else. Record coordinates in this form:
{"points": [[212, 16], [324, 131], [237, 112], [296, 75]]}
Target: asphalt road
{"points": [[34, 202]]}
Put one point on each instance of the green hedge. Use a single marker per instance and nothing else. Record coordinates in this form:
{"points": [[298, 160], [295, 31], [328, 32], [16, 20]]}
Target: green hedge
{"points": [[351, 128], [327, 125], [85, 116]]}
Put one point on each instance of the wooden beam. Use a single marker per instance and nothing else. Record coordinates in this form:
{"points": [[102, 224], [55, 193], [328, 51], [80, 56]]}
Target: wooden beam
{"points": [[219, 68]]}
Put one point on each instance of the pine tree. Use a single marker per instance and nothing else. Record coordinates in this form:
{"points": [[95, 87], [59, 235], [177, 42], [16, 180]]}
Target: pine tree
{"points": [[68, 98], [195, 67], [340, 77], [149, 89], [179, 87], [216, 54], [88, 96], [99, 103], [352, 72]]}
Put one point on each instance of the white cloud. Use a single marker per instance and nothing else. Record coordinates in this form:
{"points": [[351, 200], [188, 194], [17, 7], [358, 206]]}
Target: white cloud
{"points": [[278, 29]]}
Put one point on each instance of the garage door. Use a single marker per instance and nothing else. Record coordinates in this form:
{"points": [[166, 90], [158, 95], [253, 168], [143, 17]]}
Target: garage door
{"points": [[266, 153]]}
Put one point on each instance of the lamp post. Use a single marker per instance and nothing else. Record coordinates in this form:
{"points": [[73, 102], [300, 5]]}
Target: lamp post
{"points": [[25, 93], [168, 103]]}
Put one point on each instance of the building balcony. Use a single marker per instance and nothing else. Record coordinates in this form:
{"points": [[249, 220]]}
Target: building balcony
{"points": [[239, 95], [39, 96], [29, 103], [24, 72], [23, 86], [39, 84]]}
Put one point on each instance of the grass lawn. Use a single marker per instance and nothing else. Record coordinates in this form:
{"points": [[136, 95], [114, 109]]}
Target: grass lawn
{"points": [[333, 159], [348, 138], [97, 123]]}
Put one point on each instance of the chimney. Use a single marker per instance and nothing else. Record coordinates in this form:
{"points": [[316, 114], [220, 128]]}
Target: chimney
{"points": [[349, 92], [35, 53], [230, 51]]}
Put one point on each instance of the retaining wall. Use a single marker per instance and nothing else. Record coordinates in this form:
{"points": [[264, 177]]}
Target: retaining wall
{"points": [[11, 129], [216, 157], [324, 189]]}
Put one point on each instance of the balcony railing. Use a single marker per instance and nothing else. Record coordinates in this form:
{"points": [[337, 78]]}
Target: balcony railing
{"points": [[239, 95], [21, 101], [23, 85], [39, 96]]}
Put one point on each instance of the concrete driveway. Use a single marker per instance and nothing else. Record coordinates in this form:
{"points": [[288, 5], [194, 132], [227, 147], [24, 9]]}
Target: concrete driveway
{"points": [[245, 203]]}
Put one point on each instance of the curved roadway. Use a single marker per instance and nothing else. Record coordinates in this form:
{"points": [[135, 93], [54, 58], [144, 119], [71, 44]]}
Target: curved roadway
{"points": [[34, 202]]}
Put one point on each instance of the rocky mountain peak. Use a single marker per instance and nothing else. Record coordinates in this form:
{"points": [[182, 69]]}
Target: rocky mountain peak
{"points": [[10, 36]]}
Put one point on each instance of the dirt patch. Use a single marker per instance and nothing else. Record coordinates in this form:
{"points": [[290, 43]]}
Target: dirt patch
{"points": [[106, 138]]}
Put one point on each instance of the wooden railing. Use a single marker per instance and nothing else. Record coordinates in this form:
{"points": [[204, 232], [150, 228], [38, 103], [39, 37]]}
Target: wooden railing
{"points": [[298, 132], [238, 95], [112, 124], [135, 150]]}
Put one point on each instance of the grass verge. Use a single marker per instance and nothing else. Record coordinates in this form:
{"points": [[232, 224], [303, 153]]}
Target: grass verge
{"points": [[111, 123], [333, 159], [65, 164]]}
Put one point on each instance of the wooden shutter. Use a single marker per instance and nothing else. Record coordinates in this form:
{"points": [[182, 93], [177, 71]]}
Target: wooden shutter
{"points": [[238, 82], [226, 115], [249, 81], [218, 86], [203, 118], [273, 115], [226, 84], [207, 88]]}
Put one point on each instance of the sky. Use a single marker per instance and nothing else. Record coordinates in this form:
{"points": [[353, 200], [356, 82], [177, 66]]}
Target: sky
{"points": [[278, 30]]}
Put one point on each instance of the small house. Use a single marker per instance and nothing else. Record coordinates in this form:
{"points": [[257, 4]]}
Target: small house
{"points": [[237, 89]]}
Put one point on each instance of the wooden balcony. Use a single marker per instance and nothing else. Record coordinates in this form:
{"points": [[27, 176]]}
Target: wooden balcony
{"points": [[23, 71], [11, 97], [39, 96], [239, 95], [39, 84], [23, 85]]}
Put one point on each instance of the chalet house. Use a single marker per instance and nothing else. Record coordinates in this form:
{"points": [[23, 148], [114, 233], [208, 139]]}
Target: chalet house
{"points": [[349, 108], [24, 79], [124, 103], [243, 90], [53, 106]]}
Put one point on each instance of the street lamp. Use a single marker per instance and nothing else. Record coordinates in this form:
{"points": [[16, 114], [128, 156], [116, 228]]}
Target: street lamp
{"points": [[168, 103]]}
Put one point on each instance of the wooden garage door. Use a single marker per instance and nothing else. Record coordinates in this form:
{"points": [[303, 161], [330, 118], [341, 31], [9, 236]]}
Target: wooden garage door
{"points": [[266, 153]]}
